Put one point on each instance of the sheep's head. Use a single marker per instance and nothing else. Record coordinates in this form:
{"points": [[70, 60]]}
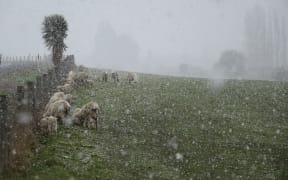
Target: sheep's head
{"points": [[52, 118], [63, 106], [68, 97], [59, 94], [92, 109], [67, 108]]}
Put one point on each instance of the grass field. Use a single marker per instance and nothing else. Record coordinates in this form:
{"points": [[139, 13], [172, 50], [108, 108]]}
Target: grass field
{"points": [[173, 128], [9, 82]]}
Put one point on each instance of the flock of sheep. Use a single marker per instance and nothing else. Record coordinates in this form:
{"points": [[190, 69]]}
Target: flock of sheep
{"points": [[57, 110], [131, 77]]}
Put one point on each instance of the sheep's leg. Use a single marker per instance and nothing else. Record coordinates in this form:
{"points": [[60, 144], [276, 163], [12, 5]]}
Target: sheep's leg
{"points": [[96, 123]]}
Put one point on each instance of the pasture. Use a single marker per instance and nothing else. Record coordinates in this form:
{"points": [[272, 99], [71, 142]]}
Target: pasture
{"points": [[173, 128]]}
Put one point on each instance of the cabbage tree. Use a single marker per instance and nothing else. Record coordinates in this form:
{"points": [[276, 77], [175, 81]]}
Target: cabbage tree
{"points": [[54, 31]]}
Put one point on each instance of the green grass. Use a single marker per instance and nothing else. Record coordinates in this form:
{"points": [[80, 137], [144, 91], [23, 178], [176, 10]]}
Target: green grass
{"points": [[9, 82], [173, 128]]}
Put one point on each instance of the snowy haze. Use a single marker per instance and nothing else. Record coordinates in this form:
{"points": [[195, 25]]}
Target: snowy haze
{"points": [[142, 35]]}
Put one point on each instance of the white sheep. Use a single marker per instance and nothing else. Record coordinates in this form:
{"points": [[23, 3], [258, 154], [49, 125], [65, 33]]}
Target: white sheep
{"points": [[87, 116], [59, 96], [48, 125], [81, 78], [77, 78], [132, 77], [59, 109], [71, 76], [66, 88], [115, 76]]}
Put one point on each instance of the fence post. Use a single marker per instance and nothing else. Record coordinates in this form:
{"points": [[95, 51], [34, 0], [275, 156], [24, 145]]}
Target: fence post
{"points": [[50, 84], [45, 92], [31, 103], [38, 93], [30, 94], [56, 76], [3, 132], [20, 96]]}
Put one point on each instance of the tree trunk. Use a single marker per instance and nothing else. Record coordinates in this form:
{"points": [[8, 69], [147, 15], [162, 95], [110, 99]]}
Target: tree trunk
{"points": [[56, 55]]}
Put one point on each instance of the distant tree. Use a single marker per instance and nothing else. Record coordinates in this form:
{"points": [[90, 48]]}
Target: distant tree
{"points": [[231, 63], [54, 31]]}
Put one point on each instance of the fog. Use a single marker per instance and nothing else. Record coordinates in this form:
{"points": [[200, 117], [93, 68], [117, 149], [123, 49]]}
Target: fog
{"points": [[144, 35]]}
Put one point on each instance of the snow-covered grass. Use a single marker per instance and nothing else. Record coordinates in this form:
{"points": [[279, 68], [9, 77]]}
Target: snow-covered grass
{"points": [[173, 128]]}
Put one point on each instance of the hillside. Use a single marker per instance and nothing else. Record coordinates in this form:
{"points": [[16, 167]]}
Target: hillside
{"points": [[173, 128]]}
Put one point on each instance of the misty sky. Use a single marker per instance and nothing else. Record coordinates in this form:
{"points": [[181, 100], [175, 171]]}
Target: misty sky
{"points": [[168, 31]]}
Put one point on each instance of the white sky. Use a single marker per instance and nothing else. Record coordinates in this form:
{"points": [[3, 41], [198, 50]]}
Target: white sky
{"points": [[197, 29]]}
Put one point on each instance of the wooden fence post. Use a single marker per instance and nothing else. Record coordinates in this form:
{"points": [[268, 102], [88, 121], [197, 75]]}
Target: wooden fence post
{"points": [[50, 82], [3, 132], [30, 94], [38, 93], [45, 92], [56, 73], [31, 104], [20, 96]]}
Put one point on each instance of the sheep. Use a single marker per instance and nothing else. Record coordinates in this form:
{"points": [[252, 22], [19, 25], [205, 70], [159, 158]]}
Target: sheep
{"points": [[48, 125], [105, 76], [132, 77], [90, 123], [90, 82], [81, 76], [71, 77], [59, 109], [87, 116], [115, 76], [76, 78], [66, 88], [58, 96], [76, 116]]}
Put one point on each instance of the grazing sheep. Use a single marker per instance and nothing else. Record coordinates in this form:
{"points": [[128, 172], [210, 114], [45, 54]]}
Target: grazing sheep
{"points": [[71, 77], [132, 77], [66, 88], [115, 76], [105, 77], [90, 82], [90, 123], [68, 98], [59, 109], [76, 117], [58, 96], [77, 78], [87, 116], [48, 125]]}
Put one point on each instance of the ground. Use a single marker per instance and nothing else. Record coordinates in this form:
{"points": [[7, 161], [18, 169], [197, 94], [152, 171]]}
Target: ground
{"points": [[173, 128]]}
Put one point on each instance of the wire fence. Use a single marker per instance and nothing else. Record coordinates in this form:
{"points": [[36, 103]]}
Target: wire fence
{"points": [[21, 106]]}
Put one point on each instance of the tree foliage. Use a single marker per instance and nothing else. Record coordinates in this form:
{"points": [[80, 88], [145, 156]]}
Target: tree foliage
{"points": [[54, 31], [231, 63]]}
